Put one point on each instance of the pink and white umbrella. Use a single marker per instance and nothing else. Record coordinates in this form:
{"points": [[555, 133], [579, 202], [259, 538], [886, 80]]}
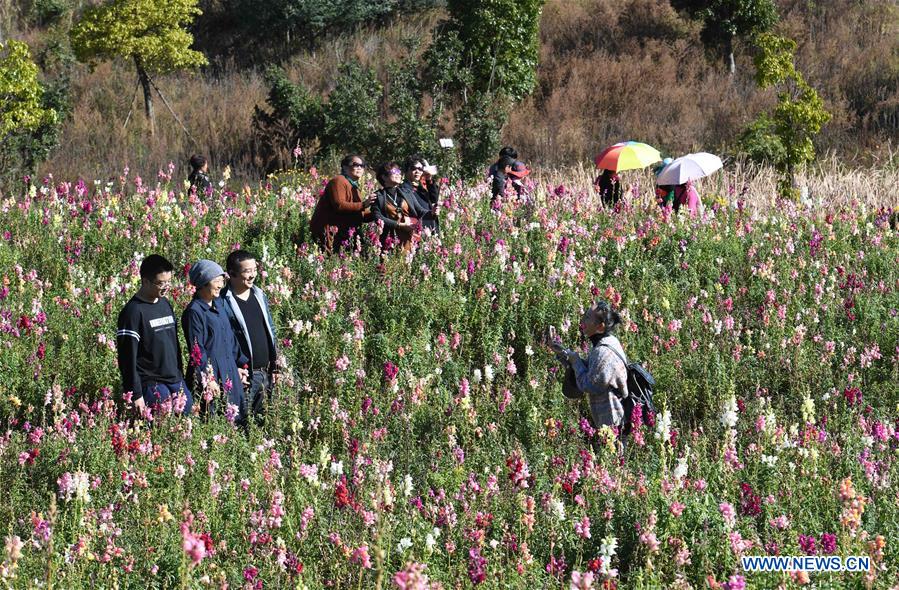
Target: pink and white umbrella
{"points": [[689, 167]]}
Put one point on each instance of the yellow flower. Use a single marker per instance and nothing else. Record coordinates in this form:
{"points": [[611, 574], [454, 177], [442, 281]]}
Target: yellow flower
{"points": [[15, 401], [164, 514]]}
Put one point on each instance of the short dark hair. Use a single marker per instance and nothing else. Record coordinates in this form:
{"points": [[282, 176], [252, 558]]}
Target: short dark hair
{"points": [[509, 151], [153, 265], [197, 161], [503, 162], [412, 160], [384, 171], [347, 160], [232, 264]]}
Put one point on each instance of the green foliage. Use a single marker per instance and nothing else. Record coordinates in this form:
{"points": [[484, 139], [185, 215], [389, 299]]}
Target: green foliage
{"points": [[278, 27], [774, 62], [722, 20], [46, 12], [151, 32], [30, 113], [760, 143], [410, 129], [480, 121], [359, 116], [21, 109], [21, 153], [500, 43], [799, 114], [294, 103], [352, 119]]}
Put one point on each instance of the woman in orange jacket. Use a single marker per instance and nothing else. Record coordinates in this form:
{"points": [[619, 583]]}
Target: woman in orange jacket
{"points": [[341, 209]]}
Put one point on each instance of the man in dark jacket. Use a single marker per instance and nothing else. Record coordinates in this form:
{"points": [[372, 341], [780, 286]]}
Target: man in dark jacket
{"points": [[149, 354], [247, 309]]}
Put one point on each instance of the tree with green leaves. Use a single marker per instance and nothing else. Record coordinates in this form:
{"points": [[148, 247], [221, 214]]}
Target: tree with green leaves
{"points": [[725, 20], [483, 59], [500, 43], [152, 33], [30, 113], [787, 136], [21, 93]]}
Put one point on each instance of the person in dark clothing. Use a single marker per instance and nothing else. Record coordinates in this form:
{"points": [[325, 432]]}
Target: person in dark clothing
{"points": [[341, 208], [199, 175], [420, 182], [247, 309], [609, 187], [216, 361], [500, 177], [399, 212], [507, 151], [147, 345]]}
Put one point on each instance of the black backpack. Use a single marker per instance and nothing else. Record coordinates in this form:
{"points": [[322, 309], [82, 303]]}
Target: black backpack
{"points": [[639, 386]]}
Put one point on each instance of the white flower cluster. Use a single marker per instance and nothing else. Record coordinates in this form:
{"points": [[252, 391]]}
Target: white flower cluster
{"points": [[663, 426], [729, 413]]}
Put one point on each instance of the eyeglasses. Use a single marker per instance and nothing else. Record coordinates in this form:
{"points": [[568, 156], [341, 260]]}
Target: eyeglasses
{"points": [[162, 285], [419, 168], [396, 171], [357, 165]]}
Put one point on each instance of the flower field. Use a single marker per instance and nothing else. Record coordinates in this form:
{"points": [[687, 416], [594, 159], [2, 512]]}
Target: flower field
{"points": [[419, 438]]}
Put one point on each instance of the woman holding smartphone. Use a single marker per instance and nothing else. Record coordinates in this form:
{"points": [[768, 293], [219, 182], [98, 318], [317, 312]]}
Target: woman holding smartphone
{"points": [[420, 182], [603, 376]]}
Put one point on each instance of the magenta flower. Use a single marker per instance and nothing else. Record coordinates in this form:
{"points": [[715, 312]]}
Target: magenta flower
{"points": [[477, 566]]}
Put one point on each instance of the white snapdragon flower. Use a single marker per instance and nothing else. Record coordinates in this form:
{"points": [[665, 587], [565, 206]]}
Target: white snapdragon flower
{"points": [[729, 413], [663, 426]]}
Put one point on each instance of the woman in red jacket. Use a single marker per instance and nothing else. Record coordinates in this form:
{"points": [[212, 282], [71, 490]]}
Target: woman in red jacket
{"points": [[341, 209]]}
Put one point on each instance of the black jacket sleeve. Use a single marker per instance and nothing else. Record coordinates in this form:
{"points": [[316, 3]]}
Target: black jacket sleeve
{"points": [[128, 331], [433, 192]]}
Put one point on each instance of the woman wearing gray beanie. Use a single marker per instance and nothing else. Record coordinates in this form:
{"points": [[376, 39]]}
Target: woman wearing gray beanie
{"points": [[215, 362]]}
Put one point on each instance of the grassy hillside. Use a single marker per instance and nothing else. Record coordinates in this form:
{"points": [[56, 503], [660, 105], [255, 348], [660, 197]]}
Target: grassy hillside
{"points": [[608, 71]]}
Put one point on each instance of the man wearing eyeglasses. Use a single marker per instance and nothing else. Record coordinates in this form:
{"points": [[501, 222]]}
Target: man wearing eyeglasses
{"points": [[341, 210], [149, 353]]}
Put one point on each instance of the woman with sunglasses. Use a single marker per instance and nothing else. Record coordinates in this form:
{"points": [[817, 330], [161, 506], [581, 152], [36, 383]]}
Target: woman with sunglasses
{"points": [[401, 212], [420, 182], [341, 210]]}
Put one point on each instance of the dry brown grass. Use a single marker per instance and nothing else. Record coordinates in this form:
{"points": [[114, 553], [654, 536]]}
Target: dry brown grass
{"points": [[613, 70], [831, 185], [216, 112]]}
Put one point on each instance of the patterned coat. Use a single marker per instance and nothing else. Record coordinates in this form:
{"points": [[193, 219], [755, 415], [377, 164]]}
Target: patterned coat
{"points": [[604, 378]]}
